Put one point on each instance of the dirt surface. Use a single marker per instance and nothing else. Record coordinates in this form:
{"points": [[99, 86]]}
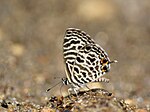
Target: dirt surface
{"points": [[31, 53]]}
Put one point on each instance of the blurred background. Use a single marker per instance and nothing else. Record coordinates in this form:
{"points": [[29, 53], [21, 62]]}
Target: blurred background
{"points": [[31, 45]]}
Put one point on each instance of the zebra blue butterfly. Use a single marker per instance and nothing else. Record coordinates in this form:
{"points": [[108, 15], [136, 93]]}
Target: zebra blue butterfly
{"points": [[85, 61]]}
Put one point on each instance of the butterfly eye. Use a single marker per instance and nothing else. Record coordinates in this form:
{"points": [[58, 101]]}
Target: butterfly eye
{"points": [[105, 61]]}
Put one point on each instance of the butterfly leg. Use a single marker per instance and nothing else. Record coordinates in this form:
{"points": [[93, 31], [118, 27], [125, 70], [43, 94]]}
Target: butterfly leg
{"points": [[75, 90], [89, 90], [72, 91], [69, 92]]}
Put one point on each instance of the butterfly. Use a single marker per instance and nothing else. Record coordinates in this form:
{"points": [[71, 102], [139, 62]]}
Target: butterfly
{"points": [[85, 61]]}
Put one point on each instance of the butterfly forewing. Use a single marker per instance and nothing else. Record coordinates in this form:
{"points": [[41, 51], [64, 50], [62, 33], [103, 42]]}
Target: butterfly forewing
{"points": [[85, 60]]}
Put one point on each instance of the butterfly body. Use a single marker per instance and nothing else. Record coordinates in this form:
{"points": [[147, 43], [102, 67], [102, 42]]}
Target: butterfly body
{"points": [[85, 60]]}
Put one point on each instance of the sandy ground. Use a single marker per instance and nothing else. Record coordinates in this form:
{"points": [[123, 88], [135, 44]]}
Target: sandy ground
{"points": [[31, 53]]}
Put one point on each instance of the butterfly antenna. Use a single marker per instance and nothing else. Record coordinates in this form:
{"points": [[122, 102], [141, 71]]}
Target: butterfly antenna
{"points": [[114, 61], [53, 86]]}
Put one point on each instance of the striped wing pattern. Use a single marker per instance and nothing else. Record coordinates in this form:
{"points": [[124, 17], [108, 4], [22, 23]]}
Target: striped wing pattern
{"points": [[85, 60]]}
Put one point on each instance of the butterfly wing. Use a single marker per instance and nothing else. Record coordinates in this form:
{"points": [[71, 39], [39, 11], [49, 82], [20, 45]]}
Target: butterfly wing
{"points": [[83, 58]]}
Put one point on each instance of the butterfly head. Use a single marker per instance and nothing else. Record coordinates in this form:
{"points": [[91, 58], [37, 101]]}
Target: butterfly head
{"points": [[106, 64]]}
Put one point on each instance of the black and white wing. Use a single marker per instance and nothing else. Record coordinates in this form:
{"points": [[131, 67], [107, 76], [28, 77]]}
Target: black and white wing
{"points": [[85, 60]]}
